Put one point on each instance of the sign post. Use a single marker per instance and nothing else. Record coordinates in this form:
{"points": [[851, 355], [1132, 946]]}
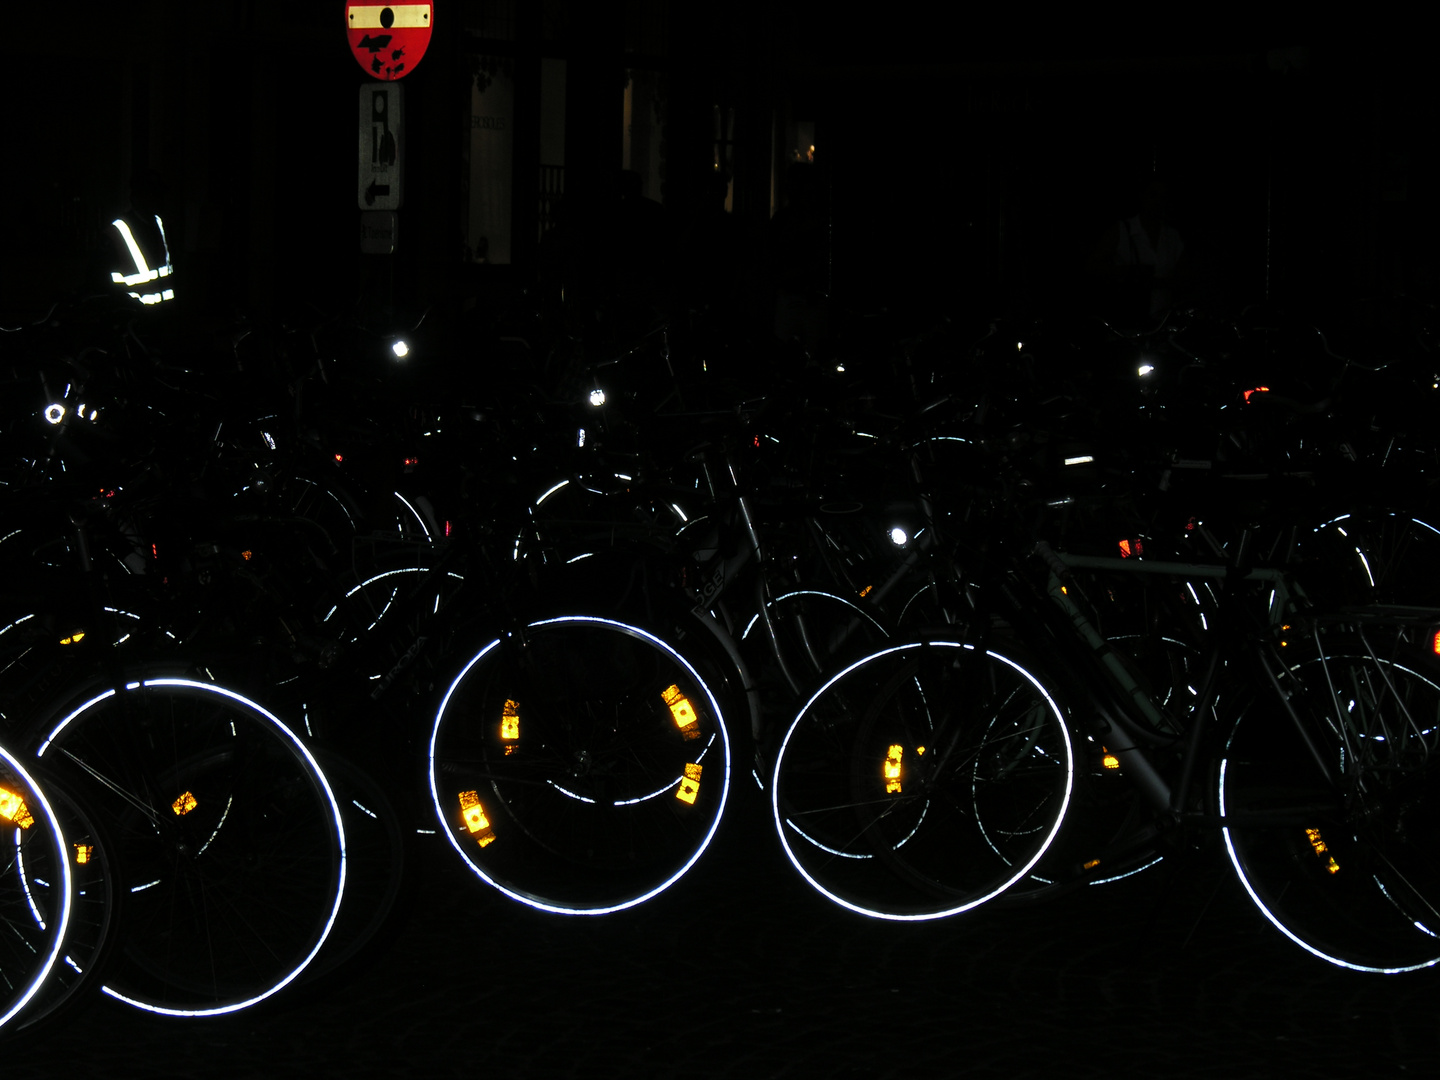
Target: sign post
{"points": [[387, 41]]}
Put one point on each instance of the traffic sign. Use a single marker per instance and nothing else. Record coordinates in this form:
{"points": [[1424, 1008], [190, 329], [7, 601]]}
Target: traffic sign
{"points": [[388, 40], [382, 146]]}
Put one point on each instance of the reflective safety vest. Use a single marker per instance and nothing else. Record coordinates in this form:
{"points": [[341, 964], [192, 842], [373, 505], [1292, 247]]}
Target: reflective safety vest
{"points": [[143, 272]]}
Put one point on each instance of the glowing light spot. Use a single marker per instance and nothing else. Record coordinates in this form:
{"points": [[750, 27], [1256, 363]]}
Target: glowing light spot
{"points": [[84, 853], [247, 555], [1257, 390], [475, 819], [1110, 761], [892, 769], [1144, 369], [13, 808], [55, 413], [1435, 643], [339, 458], [689, 788], [686, 719], [1080, 459], [510, 722], [866, 592], [184, 804], [597, 397], [898, 536], [400, 349]]}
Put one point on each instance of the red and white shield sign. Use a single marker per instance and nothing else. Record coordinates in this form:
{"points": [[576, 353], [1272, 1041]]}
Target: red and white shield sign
{"points": [[388, 40]]}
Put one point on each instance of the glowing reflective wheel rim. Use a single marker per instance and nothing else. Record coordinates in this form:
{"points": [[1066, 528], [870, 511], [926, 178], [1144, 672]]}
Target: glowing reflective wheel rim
{"points": [[581, 766], [226, 832], [1345, 868], [36, 888], [922, 781]]}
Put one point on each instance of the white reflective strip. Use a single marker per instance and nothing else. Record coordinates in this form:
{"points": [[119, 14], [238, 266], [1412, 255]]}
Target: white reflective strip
{"points": [[165, 243], [143, 271], [407, 16]]}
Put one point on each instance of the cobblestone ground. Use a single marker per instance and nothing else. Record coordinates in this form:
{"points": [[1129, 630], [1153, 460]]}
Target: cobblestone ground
{"points": [[740, 971]]}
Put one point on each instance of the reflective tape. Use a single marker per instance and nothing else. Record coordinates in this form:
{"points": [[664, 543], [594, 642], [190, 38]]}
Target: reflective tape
{"points": [[405, 16], [143, 272]]}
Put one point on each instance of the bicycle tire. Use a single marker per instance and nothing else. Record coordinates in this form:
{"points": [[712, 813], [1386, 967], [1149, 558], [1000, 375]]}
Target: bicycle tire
{"points": [[609, 781], [228, 835], [379, 870], [36, 888], [894, 836], [1375, 557], [816, 632], [96, 910], [1344, 869]]}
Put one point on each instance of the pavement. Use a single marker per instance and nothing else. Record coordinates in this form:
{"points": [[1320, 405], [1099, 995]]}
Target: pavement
{"points": [[741, 971]]}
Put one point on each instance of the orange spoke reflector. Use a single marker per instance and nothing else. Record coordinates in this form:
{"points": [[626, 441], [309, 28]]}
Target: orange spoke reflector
{"points": [[689, 785], [686, 718], [184, 804], [1435, 643], [83, 852], [73, 639], [510, 721], [1322, 850], [13, 808], [1110, 761], [475, 819], [1092, 864], [892, 769]]}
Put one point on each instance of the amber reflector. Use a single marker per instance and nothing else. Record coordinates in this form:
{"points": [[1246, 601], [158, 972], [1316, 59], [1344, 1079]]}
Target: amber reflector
{"points": [[689, 785], [475, 819], [683, 712], [892, 769], [13, 808]]}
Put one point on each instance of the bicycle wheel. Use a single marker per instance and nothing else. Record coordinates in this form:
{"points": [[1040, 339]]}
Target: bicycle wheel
{"points": [[1343, 864], [922, 781], [580, 766], [815, 632], [94, 914], [36, 888], [225, 833], [1375, 557], [379, 870]]}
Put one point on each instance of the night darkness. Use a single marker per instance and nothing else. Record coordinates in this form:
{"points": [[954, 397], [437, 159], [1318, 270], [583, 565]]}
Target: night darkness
{"points": [[962, 170]]}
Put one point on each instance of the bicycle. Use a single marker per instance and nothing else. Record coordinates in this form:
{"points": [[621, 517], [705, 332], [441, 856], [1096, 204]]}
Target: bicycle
{"points": [[853, 815]]}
